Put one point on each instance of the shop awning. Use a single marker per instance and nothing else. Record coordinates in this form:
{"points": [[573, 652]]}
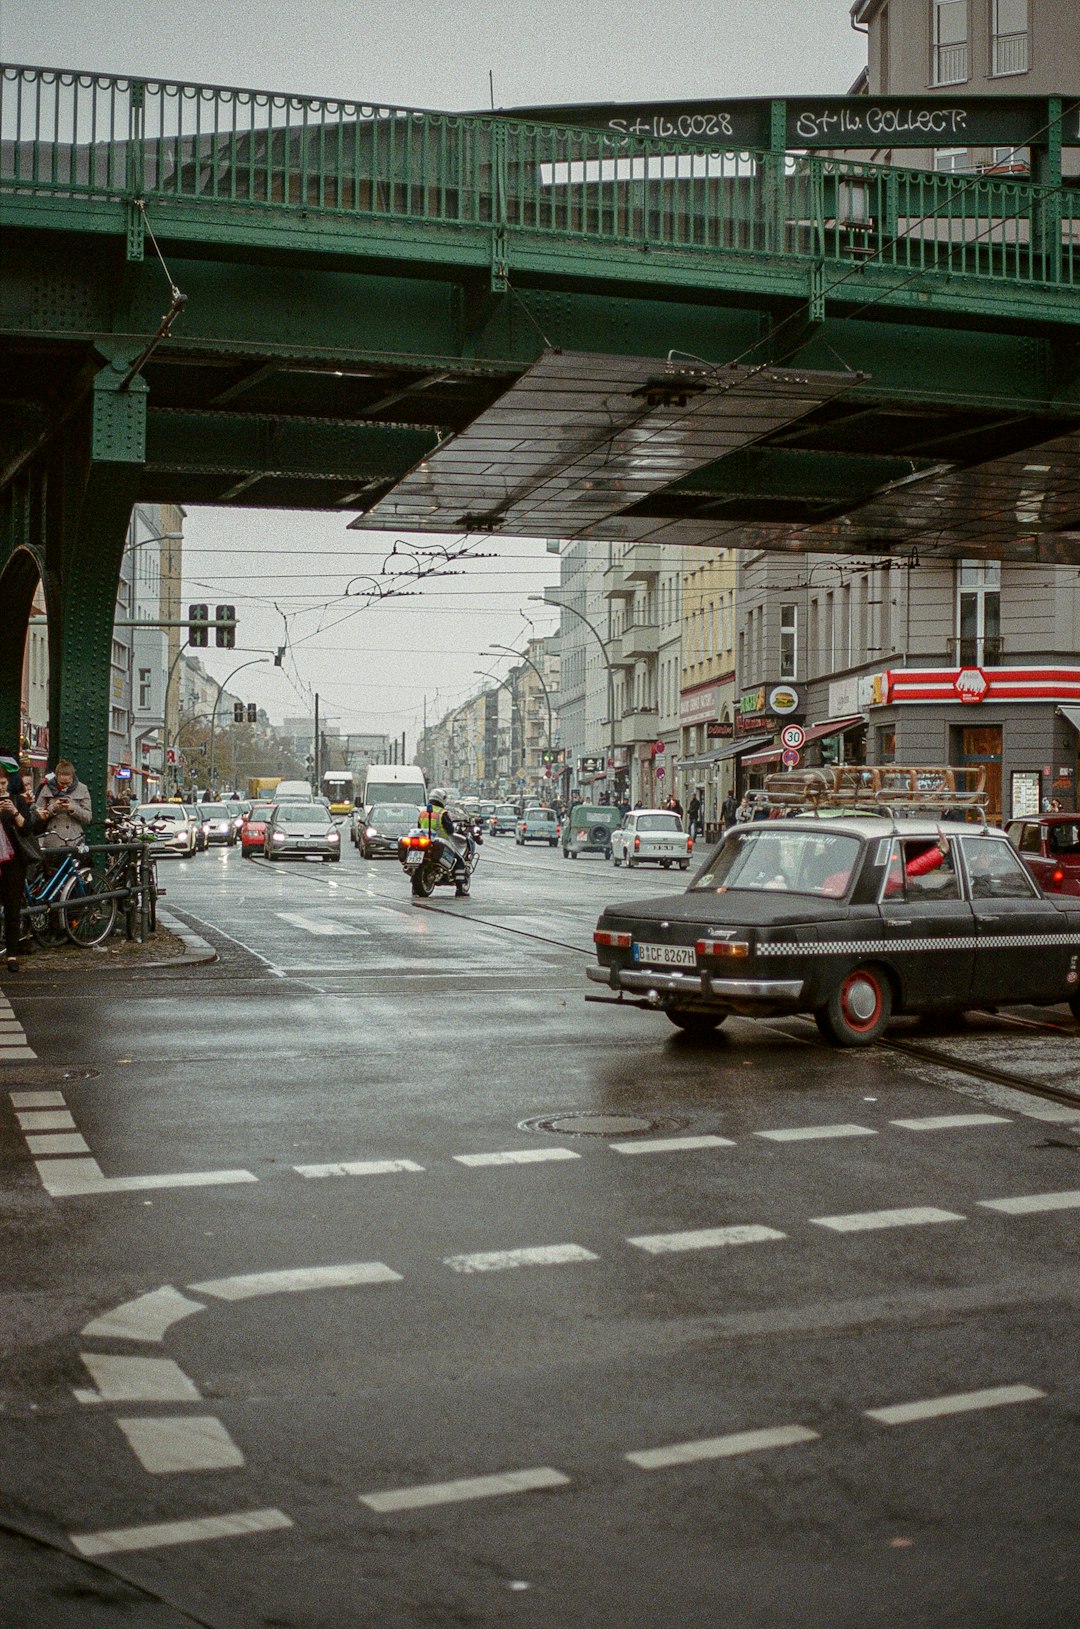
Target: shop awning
{"points": [[816, 732], [730, 749], [1073, 716]]}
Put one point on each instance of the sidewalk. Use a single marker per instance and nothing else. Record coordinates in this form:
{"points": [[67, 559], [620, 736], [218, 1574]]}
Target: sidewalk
{"points": [[173, 945]]}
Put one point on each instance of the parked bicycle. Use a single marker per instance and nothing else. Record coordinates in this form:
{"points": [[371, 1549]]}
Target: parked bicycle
{"points": [[64, 900]]}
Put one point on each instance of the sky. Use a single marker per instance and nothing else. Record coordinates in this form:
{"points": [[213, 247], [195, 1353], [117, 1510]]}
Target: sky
{"points": [[385, 665]]}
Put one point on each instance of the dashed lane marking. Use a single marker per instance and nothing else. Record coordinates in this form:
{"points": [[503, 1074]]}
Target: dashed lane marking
{"points": [[136, 1380], [962, 1402], [473, 1487], [741, 1442], [517, 1156], [706, 1238], [670, 1145], [67, 1178], [179, 1442], [949, 1122], [802, 1134], [357, 1168], [37, 1100], [146, 1318], [323, 927], [866, 1221], [495, 1261], [1028, 1204], [293, 1280], [240, 1524]]}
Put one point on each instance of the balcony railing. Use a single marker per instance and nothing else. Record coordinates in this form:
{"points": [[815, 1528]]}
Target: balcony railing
{"points": [[637, 727], [950, 64], [1010, 54], [639, 640], [984, 650]]}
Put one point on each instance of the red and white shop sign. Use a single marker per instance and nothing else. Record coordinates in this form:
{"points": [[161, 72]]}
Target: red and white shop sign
{"points": [[975, 684]]}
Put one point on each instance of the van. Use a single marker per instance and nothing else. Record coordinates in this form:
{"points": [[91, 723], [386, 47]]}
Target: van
{"points": [[394, 783], [293, 791]]}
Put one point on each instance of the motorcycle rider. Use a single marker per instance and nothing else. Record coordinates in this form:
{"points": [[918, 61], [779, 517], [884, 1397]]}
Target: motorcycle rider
{"points": [[436, 820]]}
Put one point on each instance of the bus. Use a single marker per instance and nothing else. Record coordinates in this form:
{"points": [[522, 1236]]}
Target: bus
{"points": [[338, 788]]}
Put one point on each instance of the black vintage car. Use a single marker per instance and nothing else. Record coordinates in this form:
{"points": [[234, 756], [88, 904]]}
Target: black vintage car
{"points": [[850, 918]]}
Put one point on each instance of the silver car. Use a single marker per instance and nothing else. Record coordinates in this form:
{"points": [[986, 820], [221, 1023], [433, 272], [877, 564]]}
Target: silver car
{"points": [[218, 820], [171, 825], [302, 828]]}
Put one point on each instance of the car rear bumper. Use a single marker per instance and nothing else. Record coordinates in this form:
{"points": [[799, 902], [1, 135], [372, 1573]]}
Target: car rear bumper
{"points": [[735, 993]]}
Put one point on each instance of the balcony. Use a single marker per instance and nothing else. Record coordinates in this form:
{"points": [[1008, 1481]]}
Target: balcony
{"points": [[639, 640], [616, 654], [642, 562], [638, 727], [615, 583]]}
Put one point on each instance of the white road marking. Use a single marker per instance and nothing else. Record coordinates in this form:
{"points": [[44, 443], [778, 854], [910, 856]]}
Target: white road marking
{"points": [[1027, 1204], [865, 1221], [113, 1541], [137, 1380], [293, 1280], [801, 1134], [473, 1487], [742, 1442], [67, 1178], [146, 1318], [959, 1403], [518, 1156], [322, 927], [357, 1168], [37, 1100], [9, 1053], [181, 1442], [670, 1145], [544, 1255], [45, 1120], [706, 1238], [949, 1122], [58, 1142]]}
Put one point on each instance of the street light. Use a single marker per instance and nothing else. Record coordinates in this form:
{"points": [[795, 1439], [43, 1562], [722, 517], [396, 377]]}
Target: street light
{"points": [[508, 650], [254, 662], [559, 605]]}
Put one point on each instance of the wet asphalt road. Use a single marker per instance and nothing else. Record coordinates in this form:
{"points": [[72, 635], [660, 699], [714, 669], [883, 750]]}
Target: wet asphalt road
{"points": [[309, 1287]]}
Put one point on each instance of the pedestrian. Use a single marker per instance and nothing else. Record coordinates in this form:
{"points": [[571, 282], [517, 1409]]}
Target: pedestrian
{"points": [[693, 814], [63, 808], [15, 817], [675, 806], [745, 810], [729, 811]]}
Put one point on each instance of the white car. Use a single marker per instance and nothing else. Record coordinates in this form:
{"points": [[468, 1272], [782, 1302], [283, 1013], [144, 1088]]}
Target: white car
{"points": [[655, 836], [172, 827]]}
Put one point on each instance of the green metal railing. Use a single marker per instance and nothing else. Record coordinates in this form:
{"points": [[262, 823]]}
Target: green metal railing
{"points": [[96, 136]]}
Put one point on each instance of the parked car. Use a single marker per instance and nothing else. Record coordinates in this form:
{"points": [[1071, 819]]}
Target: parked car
{"points": [[588, 829], [502, 822], [850, 919], [306, 829], [1049, 846], [654, 837], [219, 822], [172, 826], [253, 829], [538, 825], [385, 823]]}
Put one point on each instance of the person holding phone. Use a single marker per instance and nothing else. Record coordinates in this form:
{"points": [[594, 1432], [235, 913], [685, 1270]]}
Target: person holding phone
{"points": [[63, 808]]}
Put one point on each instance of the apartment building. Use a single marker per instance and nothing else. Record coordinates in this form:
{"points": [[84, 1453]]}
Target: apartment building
{"points": [[709, 738]]}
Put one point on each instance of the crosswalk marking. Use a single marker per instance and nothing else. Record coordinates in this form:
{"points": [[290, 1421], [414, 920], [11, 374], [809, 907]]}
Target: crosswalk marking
{"points": [[866, 1221], [136, 1380], [741, 1442], [801, 1134], [706, 1238], [114, 1541], [962, 1402], [1029, 1204], [670, 1145], [68, 1178], [323, 927], [472, 1487], [950, 1122], [545, 1255], [292, 1281], [58, 1142], [45, 1120], [357, 1168], [146, 1318], [37, 1100], [181, 1442]]}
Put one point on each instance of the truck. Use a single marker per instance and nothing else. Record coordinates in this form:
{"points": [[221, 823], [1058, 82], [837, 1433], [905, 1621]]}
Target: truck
{"points": [[261, 787]]}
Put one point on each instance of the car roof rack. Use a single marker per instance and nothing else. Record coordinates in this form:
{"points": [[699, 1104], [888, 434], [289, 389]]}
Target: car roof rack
{"points": [[882, 789]]}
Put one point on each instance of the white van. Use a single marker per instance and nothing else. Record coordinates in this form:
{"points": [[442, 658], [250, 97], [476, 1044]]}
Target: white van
{"points": [[293, 791], [394, 783]]}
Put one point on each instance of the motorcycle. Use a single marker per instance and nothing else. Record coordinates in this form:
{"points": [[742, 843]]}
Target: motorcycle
{"points": [[432, 860]]}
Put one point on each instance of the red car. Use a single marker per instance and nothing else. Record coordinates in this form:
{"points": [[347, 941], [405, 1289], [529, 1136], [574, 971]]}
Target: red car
{"points": [[253, 829], [1049, 846]]}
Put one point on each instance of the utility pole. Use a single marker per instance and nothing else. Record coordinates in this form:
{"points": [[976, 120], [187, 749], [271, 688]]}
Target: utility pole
{"points": [[315, 753]]}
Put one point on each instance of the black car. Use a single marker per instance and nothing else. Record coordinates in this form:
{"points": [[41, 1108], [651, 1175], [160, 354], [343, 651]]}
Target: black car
{"points": [[849, 918], [385, 823]]}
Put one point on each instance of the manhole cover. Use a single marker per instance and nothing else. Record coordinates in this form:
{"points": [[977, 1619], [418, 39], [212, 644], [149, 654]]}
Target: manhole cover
{"points": [[603, 1125]]}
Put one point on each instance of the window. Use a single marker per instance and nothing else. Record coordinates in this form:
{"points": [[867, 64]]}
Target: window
{"points": [[789, 641], [950, 42], [952, 160], [978, 614], [144, 688], [1009, 37], [994, 870]]}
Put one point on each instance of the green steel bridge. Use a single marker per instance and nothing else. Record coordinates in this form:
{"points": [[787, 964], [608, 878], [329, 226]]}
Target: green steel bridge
{"points": [[721, 324]]}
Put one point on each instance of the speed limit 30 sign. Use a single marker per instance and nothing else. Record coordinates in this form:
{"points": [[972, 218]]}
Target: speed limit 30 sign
{"points": [[793, 735]]}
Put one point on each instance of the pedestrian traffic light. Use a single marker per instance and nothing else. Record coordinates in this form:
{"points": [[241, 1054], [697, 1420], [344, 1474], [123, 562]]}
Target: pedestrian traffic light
{"points": [[226, 636], [252, 713], [238, 712], [198, 635]]}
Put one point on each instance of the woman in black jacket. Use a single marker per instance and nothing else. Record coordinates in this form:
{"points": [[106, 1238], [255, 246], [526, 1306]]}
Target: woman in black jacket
{"points": [[15, 818]]}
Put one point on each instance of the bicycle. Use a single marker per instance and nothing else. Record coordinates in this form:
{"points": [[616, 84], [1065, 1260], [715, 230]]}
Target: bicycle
{"points": [[64, 902], [124, 871]]}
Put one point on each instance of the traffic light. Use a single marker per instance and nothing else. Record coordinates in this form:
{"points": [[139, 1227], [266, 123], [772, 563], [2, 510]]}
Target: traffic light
{"points": [[198, 635], [226, 637], [252, 713], [310, 761], [238, 712]]}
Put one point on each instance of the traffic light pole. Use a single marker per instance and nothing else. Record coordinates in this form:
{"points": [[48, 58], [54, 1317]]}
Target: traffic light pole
{"points": [[254, 662]]}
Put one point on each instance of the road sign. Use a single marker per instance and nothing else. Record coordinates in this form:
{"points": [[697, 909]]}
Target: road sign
{"points": [[791, 757], [793, 735]]}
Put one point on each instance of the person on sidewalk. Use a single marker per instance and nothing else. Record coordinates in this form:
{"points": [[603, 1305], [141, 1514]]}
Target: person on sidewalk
{"points": [[14, 818], [63, 808]]}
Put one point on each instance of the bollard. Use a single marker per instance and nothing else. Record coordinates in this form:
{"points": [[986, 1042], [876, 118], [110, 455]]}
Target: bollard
{"points": [[144, 890]]}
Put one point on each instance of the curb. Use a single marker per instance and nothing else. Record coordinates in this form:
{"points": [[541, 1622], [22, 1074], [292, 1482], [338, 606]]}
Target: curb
{"points": [[198, 950]]}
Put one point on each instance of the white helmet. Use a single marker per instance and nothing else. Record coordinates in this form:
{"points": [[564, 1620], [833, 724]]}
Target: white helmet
{"points": [[438, 795]]}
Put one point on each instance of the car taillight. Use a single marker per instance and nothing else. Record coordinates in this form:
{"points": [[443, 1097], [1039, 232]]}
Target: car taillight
{"points": [[722, 947], [637, 845], [689, 845], [1058, 877], [616, 941]]}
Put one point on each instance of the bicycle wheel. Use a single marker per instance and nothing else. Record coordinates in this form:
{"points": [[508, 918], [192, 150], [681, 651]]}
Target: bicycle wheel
{"points": [[46, 921], [87, 918]]}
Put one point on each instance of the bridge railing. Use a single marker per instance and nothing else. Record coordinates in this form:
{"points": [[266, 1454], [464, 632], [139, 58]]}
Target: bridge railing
{"points": [[105, 137]]}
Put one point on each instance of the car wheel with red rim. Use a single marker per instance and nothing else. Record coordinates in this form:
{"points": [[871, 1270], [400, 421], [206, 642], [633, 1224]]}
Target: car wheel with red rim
{"points": [[858, 1009]]}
